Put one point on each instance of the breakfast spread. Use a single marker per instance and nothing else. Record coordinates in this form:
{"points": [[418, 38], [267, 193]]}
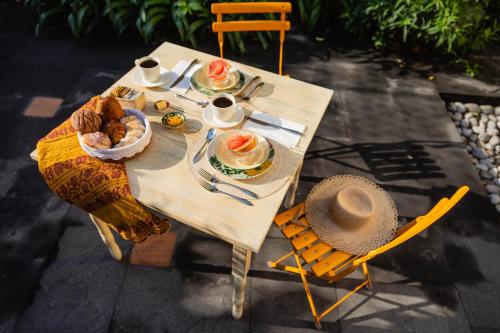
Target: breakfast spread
{"points": [[104, 124]]}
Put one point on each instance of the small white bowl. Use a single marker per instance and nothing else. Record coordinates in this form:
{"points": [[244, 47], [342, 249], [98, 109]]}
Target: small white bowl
{"points": [[126, 151]]}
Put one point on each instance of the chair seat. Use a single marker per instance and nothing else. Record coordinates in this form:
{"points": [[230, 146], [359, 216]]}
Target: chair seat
{"points": [[324, 260]]}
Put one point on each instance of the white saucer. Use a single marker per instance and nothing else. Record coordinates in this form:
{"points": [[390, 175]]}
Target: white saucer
{"points": [[137, 78], [238, 116]]}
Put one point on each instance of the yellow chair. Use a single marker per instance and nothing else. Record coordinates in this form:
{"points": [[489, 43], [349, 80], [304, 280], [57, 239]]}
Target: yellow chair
{"points": [[316, 258], [281, 25]]}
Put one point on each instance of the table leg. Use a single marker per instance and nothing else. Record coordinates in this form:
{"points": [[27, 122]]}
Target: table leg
{"points": [[290, 195], [107, 237], [241, 265]]}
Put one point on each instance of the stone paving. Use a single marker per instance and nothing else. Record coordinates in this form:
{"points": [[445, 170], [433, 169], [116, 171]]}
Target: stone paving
{"points": [[56, 275]]}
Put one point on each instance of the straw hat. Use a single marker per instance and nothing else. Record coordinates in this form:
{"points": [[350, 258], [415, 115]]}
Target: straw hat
{"points": [[351, 213]]}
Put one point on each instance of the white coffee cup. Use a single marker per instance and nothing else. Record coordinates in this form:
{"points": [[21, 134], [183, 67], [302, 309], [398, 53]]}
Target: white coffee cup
{"points": [[221, 111], [149, 71]]}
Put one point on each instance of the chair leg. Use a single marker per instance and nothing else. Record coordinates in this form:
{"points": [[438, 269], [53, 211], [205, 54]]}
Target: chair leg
{"points": [[367, 274], [107, 237], [317, 324]]}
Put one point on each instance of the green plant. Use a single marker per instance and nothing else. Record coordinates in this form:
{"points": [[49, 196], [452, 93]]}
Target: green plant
{"points": [[82, 16], [189, 16], [453, 27], [154, 19]]}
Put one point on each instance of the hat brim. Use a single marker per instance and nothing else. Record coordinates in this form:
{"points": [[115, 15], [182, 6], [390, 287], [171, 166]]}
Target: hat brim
{"points": [[379, 230]]}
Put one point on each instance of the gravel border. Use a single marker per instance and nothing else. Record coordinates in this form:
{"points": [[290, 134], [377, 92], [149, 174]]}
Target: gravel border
{"points": [[479, 125]]}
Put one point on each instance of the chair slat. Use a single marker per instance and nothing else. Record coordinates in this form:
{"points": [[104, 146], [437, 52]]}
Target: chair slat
{"points": [[259, 25], [304, 240], [286, 216], [260, 7], [292, 229], [330, 262], [316, 251]]}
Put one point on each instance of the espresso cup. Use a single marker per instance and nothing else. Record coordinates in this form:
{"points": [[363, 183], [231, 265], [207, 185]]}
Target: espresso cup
{"points": [[224, 106], [149, 68]]}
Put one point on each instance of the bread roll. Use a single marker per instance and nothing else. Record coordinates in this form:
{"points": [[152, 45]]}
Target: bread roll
{"points": [[127, 119], [109, 109], [135, 133], [135, 124], [115, 130], [86, 121], [97, 140]]}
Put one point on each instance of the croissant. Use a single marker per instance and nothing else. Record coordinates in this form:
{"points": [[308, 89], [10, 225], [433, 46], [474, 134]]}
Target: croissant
{"points": [[97, 140], [85, 121], [109, 109], [115, 130]]}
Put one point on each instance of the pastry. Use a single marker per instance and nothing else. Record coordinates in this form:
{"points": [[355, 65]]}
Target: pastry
{"points": [[109, 109], [135, 133], [85, 121], [126, 119], [115, 130], [97, 140], [135, 124]]}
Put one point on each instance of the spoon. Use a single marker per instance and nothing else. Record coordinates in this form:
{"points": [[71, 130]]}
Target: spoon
{"points": [[210, 135], [200, 103]]}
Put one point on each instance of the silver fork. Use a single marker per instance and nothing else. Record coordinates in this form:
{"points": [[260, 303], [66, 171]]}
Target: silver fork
{"points": [[212, 188], [211, 178]]}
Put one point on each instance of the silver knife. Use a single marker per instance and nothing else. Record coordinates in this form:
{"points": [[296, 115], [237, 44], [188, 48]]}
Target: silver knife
{"points": [[179, 79], [258, 121]]}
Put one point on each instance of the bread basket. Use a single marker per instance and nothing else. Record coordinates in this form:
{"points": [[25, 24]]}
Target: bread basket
{"points": [[122, 152]]}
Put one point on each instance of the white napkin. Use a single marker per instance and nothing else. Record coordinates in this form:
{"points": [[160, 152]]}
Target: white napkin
{"points": [[282, 136], [183, 86]]}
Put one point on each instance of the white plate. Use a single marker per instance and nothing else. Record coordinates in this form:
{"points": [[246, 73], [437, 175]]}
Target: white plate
{"points": [[238, 116], [126, 151], [137, 78]]}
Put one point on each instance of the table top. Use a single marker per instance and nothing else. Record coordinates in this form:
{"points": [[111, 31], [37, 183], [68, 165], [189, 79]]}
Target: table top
{"points": [[159, 177]]}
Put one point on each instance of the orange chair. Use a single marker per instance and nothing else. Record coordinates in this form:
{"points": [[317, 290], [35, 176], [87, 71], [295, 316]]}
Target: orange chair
{"points": [[256, 25], [316, 258]]}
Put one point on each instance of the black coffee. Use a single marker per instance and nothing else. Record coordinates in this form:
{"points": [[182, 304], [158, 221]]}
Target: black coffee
{"points": [[223, 102], [148, 63]]}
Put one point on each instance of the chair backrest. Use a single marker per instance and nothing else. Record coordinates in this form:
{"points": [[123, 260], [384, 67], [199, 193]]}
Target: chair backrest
{"points": [[418, 225], [281, 25]]}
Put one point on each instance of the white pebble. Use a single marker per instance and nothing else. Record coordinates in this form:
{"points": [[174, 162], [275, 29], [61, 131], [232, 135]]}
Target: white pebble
{"points": [[494, 141], [488, 109], [497, 111], [466, 132], [472, 107], [495, 198], [492, 188], [476, 129], [457, 107], [457, 116], [492, 131], [481, 167], [465, 123]]}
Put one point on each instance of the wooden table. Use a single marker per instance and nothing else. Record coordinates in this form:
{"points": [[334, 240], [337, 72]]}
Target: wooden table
{"points": [[159, 176]]}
